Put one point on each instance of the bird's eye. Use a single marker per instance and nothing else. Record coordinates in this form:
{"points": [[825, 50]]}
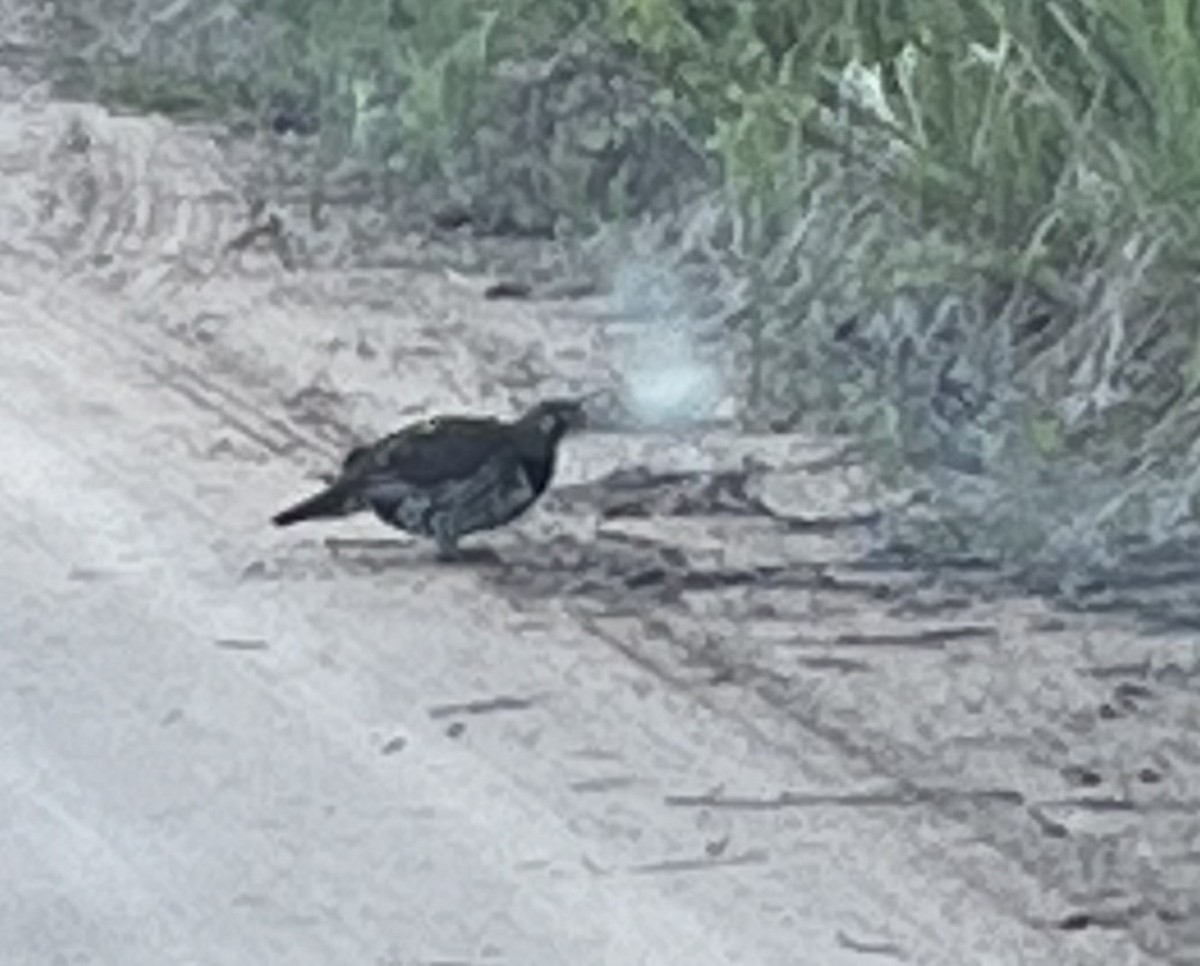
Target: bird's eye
{"points": [[549, 422]]}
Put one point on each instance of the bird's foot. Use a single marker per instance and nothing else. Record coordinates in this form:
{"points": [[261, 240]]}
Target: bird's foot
{"points": [[474, 555]]}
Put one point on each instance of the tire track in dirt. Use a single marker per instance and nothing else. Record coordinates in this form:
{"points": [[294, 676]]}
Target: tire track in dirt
{"points": [[975, 726], [137, 213], [120, 199]]}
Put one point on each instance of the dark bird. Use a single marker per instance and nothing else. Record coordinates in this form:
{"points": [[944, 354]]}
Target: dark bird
{"points": [[448, 476]]}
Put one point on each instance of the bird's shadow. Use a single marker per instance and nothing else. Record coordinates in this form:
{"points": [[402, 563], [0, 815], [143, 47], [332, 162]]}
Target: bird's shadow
{"points": [[381, 555]]}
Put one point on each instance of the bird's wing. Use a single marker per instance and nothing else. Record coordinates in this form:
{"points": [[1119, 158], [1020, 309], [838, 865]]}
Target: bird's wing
{"points": [[440, 449]]}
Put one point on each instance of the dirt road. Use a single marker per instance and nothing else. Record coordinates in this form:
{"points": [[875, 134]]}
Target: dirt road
{"points": [[206, 762], [220, 744]]}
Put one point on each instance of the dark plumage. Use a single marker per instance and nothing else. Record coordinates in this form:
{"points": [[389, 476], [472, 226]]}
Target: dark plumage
{"points": [[448, 476]]}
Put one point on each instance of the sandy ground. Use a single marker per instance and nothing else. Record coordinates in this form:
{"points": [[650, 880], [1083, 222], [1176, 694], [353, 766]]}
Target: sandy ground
{"points": [[682, 724]]}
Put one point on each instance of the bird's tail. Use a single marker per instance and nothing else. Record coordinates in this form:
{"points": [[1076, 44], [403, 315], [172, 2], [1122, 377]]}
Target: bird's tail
{"points": [[336, 500]]}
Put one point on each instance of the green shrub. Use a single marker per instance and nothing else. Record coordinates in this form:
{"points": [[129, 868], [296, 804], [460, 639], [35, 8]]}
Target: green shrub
{"points": [[969, 228]]}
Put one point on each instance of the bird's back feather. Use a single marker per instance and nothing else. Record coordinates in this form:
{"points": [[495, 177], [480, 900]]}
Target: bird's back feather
{"points": [[447, 448]]}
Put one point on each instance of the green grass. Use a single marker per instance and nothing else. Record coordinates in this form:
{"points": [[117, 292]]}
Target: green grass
{"points": [[965, 231]]}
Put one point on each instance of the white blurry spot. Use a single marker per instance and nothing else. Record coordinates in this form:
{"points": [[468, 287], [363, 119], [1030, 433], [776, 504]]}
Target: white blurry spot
{"points": [[665, 382], [672, 391]]}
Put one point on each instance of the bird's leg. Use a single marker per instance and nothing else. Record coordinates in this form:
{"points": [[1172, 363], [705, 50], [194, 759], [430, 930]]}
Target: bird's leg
{"points": [[447, 541]]}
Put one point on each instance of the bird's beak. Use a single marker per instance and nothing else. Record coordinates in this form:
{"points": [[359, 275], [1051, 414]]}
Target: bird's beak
{"points": [[576, 419], [580, 417], [592, 396]]}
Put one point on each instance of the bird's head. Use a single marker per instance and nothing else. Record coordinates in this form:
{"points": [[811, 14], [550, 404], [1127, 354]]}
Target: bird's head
{"points": [[552, 419]]}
